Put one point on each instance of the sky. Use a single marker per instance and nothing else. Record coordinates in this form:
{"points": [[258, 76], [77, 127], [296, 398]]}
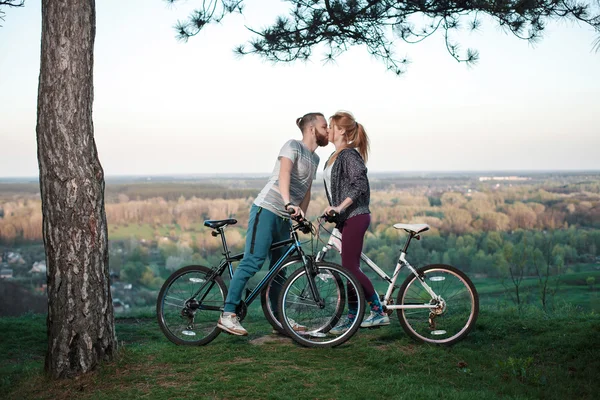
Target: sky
{"points": [[163, 107]]}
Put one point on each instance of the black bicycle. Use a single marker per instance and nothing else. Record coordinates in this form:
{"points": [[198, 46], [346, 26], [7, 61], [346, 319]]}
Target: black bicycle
{"points": [[192, 298]]}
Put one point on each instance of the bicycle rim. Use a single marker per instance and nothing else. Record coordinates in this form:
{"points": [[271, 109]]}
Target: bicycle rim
{"points": [[191, 321], [311, 325], [456, 311]]}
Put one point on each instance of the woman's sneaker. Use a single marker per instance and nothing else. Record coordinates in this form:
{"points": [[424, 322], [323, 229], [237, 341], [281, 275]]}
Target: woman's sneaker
{"points": [[375, 319], [231, 324], [341, 328], [296, 326]]}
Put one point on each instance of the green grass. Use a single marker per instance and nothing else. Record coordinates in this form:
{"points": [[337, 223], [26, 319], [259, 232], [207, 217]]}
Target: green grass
{"points": [[571, 288], [150, 232], [509, 355]]}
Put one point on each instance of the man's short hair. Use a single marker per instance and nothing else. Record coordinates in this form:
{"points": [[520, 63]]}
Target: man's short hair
{"points": [[310, 118]]}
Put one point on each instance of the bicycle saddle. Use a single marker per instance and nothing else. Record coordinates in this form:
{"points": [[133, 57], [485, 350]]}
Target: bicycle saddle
{"points": [[413, 228], [219, 223]]}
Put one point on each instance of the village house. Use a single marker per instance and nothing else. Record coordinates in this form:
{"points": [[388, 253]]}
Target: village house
{"points": [[6, 273], [38, 267]]}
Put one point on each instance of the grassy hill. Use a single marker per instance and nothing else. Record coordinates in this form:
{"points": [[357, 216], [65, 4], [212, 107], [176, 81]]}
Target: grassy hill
{"points": [[509, 355]]}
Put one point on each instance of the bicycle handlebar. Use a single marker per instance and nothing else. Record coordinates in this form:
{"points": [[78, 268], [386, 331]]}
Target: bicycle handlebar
{"points": [[304, 225], [330, 217]]}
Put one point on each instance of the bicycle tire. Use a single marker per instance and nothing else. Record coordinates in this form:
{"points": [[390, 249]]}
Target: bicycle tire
{"points": [[191, 324], [271, 290], [298, 307], [455, 315]]}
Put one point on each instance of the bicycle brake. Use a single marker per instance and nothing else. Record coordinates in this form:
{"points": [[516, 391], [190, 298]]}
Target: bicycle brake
{"points": [[312, 266], [331, 217]]}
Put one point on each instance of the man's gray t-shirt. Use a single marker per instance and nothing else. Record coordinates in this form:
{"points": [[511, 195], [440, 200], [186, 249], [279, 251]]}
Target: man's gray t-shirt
{"points": [[304, 171]]}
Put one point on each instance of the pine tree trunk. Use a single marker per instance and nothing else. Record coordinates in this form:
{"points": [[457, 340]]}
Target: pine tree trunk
{"points": [[80, 312]]}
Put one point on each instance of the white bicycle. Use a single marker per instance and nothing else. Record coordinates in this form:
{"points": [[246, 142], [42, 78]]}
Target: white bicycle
{"points": [[436, 303]]}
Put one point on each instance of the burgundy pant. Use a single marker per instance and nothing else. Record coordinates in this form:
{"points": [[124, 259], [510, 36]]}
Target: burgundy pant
{"points": [[353, 236]]}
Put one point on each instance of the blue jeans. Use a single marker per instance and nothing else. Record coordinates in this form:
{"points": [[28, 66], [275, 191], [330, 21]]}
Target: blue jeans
{"points": [[264, 229]]}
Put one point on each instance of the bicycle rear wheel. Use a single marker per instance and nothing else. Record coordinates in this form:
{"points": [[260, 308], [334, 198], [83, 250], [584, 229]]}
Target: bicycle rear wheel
{"points": [[456, 307], [309, 323], [189, 305]]}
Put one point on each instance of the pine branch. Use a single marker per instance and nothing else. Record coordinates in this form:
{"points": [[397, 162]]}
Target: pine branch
{"points": [[9, 3], [334, 26]]}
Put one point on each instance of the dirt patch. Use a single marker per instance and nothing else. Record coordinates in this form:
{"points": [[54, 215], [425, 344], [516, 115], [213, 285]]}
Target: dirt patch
{"points": [[240, 360], [144, 376], [409, 349], [270, 339]]}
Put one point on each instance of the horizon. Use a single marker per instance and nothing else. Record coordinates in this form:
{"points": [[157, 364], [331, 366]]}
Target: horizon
{"points": [[251, 175]]}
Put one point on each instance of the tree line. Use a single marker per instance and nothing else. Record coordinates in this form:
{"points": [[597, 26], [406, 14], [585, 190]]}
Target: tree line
{"points": [[493, 231], [526, 207]]}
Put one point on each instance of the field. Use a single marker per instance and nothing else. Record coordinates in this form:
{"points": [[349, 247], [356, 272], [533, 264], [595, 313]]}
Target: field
{"points": [[539, 236], [509, 355]]}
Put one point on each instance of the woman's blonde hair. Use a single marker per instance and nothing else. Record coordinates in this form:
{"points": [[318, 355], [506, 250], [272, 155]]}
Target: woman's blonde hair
{"points": [[355, 133]]}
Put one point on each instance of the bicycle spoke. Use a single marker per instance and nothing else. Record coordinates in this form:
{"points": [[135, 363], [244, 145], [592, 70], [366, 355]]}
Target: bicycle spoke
{"points": [[187, 320], [455, 310], [270, 294], [309, 323]]}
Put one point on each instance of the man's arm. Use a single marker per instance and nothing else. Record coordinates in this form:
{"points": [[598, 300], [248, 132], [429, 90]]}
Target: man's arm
{"points": [[285, 176], [306, 199]]}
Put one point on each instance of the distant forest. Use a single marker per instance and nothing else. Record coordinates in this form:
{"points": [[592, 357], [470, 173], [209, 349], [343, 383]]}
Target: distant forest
{"points": [[490, 225], [451, 205]]}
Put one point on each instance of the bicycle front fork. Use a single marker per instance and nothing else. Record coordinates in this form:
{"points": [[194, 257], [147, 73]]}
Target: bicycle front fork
{"points": [[311, 272]]}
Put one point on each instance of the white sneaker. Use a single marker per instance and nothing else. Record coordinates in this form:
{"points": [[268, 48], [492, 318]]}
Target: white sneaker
{"points": [[342, 327], [375, 319], [231, 324], [296, 326]]}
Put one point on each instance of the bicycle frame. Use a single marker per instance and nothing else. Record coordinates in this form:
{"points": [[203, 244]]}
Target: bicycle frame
{"points": [[335, 243], [295, 247]]}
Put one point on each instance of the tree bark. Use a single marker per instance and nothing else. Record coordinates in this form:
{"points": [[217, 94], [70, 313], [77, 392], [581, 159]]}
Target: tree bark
{"points": [[80, 313]]}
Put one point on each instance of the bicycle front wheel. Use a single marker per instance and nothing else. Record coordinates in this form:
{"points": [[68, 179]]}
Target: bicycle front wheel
{"points": [[189, 305], [329, 323], [269, 296], [452, 312]]}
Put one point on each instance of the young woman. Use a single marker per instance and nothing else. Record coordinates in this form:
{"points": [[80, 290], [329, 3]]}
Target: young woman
{"points": [[348, 192]]}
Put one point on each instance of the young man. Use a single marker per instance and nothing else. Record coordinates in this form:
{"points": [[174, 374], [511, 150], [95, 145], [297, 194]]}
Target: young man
{"points": [[287, 191]]}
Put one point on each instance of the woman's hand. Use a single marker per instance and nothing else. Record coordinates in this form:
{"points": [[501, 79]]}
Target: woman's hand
{"points": [[339, 209], [329, 210]]}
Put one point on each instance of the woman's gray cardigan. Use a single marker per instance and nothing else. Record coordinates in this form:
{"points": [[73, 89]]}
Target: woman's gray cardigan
{"points": [[349, 179]]}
